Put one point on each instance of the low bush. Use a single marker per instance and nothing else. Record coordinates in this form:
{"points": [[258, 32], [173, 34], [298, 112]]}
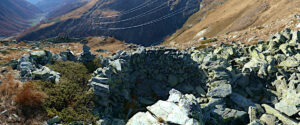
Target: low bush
{"points": [[71, 98], [92, 66], [29, 98]]}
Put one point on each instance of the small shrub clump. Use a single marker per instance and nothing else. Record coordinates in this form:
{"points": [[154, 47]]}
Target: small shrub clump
{"points": [[30, 98], [92, 66], [71, 98]]}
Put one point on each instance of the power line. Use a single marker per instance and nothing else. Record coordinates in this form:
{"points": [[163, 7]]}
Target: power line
{"points": [[131, 10], [149, 22], [138, 16]]}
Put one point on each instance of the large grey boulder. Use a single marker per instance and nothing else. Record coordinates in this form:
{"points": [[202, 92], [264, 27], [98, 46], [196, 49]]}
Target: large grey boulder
{"points": [[285, 119], [67, 55], [268, 119], [241, 101], [46, 73], [290, 104], [41, 57], [178, 109], [221, 91]]}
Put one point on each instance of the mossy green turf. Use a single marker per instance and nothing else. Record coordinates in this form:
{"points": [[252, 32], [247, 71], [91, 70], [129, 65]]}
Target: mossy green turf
{"points": [[71, 98]]}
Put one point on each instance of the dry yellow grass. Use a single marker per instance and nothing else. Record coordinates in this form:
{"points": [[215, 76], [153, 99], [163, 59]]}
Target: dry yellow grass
{"points": [[238, 15], [110, 44]]}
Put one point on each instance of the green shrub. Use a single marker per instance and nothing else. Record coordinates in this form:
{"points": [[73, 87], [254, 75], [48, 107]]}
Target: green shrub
{"points": [[92, 66], [72, 72], [70, 99]]}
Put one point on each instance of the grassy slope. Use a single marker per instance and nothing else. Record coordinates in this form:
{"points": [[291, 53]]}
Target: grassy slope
{"points": [[234, 16]]}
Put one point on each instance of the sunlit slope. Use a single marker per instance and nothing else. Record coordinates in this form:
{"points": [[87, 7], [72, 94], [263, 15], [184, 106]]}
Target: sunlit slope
{"points": [[236, 15]]}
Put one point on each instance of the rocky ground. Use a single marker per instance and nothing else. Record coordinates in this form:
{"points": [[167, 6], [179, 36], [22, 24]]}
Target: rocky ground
{"points": [[230, 84]]}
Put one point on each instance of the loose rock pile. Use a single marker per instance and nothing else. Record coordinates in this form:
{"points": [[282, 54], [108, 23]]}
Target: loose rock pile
{"points": [[234, 84], [141, 78], [32, 66], [229, 84]]}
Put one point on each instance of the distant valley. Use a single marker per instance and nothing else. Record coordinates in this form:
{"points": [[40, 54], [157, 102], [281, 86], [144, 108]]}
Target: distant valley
{"points": [[141, 22]]}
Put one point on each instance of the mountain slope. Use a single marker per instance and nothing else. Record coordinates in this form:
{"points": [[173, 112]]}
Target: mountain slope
{"points": [[145, 22], [15, 16], [51, 5], [232, 16]]}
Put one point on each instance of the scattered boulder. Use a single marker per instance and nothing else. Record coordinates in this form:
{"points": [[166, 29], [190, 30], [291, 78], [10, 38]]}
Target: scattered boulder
{"points": [[221, 91], [268, 119], [46, 73], [54, 120], [65, 56], [178, 109], [290, 104], [285, 119]]}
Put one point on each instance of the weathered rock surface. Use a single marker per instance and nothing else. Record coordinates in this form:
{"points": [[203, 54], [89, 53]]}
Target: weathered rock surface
{"points": [[178, 109], [46, 74], [225, 80]]}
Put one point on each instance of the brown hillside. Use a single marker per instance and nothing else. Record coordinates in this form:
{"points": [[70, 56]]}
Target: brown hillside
{"points": [[236, 15], [15, 16], [133, 21]]}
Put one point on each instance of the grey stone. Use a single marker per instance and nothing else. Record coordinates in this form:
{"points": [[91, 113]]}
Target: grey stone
{"points": [[175, 96], [54, 120], [46, 73], [242, 80], [268, 119], [290, 104], [4, 112], [117, 64], [241, 101], [252, 113], [285, 119], [222, 91], [256, 122], [295, 37], [229, 116], [178, 109], [142, 118], [169, 111], [38, 54], [99, 88], [99, 80], [290, 62]]}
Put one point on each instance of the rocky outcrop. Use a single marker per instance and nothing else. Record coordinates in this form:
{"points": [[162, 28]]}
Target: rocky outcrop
{"points": [[235, 84], [179, 109], [33, 67]]}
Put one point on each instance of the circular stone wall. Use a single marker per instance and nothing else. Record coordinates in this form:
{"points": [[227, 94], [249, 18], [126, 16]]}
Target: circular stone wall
{"points": [[130, 81]]}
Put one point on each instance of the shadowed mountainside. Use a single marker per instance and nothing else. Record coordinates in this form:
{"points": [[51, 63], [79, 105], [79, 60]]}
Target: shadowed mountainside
{"points": [[15, 16], [142, 22]]}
